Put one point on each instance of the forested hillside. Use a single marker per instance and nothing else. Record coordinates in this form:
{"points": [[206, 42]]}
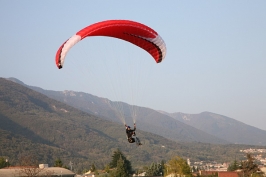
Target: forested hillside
{"points": [[147, 119], [203, 127]]}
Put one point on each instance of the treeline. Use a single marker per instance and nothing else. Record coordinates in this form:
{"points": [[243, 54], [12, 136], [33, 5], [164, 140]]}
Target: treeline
{"points": [[119, 165]]}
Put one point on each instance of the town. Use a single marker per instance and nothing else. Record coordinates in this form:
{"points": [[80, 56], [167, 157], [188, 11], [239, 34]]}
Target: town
{"points": [[259, 156], [197, 168]]}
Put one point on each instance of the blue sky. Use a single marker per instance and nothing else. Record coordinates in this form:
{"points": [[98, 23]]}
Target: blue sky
{"points": [[215, 61]]}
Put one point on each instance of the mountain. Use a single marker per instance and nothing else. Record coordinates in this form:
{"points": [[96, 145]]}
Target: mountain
{"points": [[223, 127], [213, 128], [147, 119]]}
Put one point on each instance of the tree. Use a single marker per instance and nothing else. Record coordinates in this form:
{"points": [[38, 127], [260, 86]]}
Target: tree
{"points": [[162, 167], [107, 168], [3, 162], [177, 166], [93, 168], [58, 163], [233, 166], [156, 169], [121, 169], [249, 167], [116, 156]]}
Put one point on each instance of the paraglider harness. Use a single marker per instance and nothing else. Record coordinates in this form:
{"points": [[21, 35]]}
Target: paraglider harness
{"points": [[130, 133]]}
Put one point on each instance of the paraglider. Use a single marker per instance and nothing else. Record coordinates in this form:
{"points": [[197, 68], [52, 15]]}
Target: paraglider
{"points": [[130, 133], [133, 32], [136, 33]]}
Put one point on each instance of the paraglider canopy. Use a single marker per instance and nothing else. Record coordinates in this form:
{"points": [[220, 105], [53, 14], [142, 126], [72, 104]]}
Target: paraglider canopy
{"points": [[133, 32]]}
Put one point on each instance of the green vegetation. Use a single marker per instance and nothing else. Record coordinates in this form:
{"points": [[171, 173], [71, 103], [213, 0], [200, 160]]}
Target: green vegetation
{"points": [[234, 166], [120, 162], [177, 166], [122, 169], [4, 162], [58, 163], [248, 167], [156, 169]]}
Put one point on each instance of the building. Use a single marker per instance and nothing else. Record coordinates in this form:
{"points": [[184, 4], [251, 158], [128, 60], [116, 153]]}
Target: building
{"points": [[221, 173], [42, 170], [228, 174]]}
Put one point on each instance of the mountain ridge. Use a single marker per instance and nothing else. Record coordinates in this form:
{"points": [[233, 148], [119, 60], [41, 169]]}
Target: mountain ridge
{"points": [[222, 127], [147, 119], [216, 126]]}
